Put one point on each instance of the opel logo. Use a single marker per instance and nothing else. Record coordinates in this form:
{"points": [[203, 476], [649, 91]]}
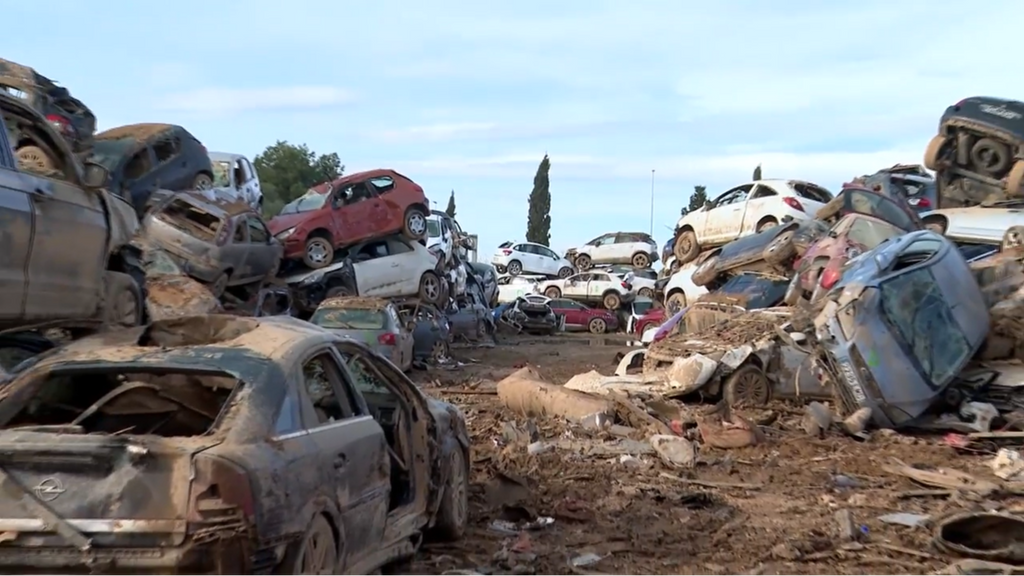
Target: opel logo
{"points": [[49, 489]]}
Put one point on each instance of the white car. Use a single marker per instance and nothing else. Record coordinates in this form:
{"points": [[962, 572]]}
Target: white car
{"points": [[985, 224], [642, 279], [638, 308], [745, 210], [440, 238], [636, 248], [530, 258], [605, 288], [235, 177], [680, 291], [512, 287], [389, 267]]}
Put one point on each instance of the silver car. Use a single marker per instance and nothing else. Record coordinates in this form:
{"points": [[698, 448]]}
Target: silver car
{"points": [[219, 243], [372, 321]]}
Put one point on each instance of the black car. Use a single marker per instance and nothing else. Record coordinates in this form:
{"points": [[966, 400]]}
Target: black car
{"points": [[143, 158], [68, 115], [980, 139], [311, 287], [911, 182]]}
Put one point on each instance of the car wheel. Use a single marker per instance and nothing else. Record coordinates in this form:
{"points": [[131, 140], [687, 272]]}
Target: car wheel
{"points": [[707, 272], [336, 291], [219, 285], [990, 157], [768, 223], [747, 386], [780, 250], [319, 252], [316, 553], [415, 225], [646, 293], [439, 350], [552, 292], [430, 288], [612, 301], [583, 262], [34, 159], [515, 268], [686, 247], [675, 303], [564, 272], [597, 326], [931, 154], [123, 303], [1015, 179], [641, 260], [202, 181], [453, 513]]}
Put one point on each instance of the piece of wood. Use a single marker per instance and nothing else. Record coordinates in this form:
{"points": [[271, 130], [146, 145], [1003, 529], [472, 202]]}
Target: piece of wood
{"points": [[525, 393], [902, 550], [924, 493], [943, 478], [712, 484], [639, 416]]}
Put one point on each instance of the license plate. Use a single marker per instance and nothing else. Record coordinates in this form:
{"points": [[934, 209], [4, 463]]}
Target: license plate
{"points": [[851, 381]]}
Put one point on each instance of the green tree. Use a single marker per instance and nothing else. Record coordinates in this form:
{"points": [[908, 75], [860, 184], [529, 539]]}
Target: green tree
{"points": [[450, 210], [697, 200], [538, 220], [757, 172], [286, 171]]}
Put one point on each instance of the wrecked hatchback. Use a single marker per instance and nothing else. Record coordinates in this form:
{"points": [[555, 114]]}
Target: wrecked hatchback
{"points": [[228, 445]]}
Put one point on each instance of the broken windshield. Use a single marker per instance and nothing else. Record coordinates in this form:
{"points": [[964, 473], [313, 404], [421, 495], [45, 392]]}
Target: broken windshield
{"points": [[914, 306], [308, 202]]}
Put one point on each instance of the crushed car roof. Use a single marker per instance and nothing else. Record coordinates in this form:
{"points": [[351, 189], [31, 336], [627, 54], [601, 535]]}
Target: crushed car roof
{"points": [[136, 131], [355, 302], [219, 208]]}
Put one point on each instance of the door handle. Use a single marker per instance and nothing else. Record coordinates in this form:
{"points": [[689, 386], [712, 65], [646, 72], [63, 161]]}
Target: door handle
{"points": [[43, 193], [340, 461]]}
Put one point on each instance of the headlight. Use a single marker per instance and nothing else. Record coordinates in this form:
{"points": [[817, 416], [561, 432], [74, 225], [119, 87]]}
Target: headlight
{"points": [[311, 279], [285, 233]]}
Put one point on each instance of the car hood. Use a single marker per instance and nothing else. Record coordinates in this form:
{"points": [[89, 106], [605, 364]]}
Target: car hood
{"points": [[282, 222]]}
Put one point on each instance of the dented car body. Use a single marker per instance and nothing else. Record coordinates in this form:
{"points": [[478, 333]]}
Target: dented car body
{"points": [[899, 326], [221, 444]]}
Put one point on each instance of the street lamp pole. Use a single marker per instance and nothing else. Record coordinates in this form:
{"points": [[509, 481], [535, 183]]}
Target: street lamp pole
{"points": [[652, 202]]}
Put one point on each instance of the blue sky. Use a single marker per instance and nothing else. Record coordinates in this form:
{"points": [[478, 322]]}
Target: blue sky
{"points": [[470, 95]]}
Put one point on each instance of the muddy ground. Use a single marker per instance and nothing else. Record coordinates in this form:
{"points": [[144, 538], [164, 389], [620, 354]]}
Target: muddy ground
{"points": [[778, 517]]}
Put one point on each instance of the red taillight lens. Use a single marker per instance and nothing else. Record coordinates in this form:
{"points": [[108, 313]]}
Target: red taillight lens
{"points": [[506, 251], [924, 202], [793, 203], [61, 124], [387, 339], [624, 285], [829, 278]]}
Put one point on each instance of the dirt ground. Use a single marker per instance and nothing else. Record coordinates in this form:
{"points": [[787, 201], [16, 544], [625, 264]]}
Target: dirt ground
{"points": [[779, 516]]}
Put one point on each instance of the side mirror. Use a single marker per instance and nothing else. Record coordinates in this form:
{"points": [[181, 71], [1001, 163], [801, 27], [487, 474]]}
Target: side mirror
{"points": [[94, 175]]}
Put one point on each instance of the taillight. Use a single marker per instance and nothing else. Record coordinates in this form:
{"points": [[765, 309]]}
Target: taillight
{"points": [[829, 278], [387, 339], [219, 488], [506, 251], [923, 202], [62, 125], [793, 203], [624, 285]]}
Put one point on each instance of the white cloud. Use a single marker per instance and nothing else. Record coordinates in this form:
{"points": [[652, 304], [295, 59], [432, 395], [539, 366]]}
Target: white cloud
{"points": [[233, 100], [435, 132]]}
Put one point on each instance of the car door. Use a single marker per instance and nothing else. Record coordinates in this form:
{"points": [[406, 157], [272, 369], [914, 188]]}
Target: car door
{"points": [[138, 180], [596, 286], [171, 168], [252, 184], [402, 335], [15, 234], [725, 220], [624, 246], [527, 257], [234, 254], [353, 450], [352, 207], [384, 211], [758, 205], [570, 309], [264, 252], [375, 272], [576, 286], [548, 260]]}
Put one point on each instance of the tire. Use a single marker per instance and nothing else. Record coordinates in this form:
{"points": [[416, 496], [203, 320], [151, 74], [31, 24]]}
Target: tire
{"points": [[414, 225], [564, 272], [439, 350], [597, 326], [781, 249], [707, 272], [937, 225], [583, 262], [336, 291], [219, 285], [766, 224], [641, 260], [302, 556], [675, 302], [122, 306], [1014, 180], [646, 293], [931, 153], [515, 268], [202, 181], [747, 386], [990, 157], [35, 159], [553, 292], [430, 288], [686, 248], [319, 252], [612, 301], [453, 514], [1012, 238]]}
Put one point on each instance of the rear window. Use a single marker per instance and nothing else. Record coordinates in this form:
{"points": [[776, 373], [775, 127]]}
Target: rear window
{"points": [[348, 319], [812, 192], [191, 219], [642, 306], [646, 273], [760, 291], [870, 233]]}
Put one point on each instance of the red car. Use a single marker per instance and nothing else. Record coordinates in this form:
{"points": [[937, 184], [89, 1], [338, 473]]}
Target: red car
{"points": [[651, 319], [582, 317], [868, 220], [351, 209]]}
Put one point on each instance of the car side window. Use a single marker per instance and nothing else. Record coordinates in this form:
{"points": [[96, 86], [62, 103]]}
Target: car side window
{"points": [[738, 194], [763, 191], [138, 165], [396, 247], [239, 236], [383, 183], [372, 251], [258, 233], [606, 240], [581, 277], [289, 419], [519, 248], [365, 377], [600, 278], [547, 252], [324, 385], [166, 149]]}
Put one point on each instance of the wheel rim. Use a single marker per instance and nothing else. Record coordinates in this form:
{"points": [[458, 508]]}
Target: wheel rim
{"points": [[640, 261], [780, 241], [564, 273], [597, 326], [437, 351], [583, 262], [318, 556], [646, 292], [514, 268], [416, 223], [674, 305], [317, 251], [611, 302], [750, 388], [988, 157], [685, 245], [1013, 239], [431, 288], [457, 484], [552, 293], [203, 182]]}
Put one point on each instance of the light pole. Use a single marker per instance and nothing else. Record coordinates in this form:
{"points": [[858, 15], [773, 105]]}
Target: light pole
{"points": [[652, 202]]}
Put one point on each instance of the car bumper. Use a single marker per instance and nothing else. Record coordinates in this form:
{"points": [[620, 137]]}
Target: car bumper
{"points": [[294, 247]]}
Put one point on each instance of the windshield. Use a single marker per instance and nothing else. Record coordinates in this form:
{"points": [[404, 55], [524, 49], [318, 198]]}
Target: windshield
{"points": [[221, 174], [308, 202], [433, 229], [914, 306], [870, 233], [108, 153], [641, 307], [348, 319]]}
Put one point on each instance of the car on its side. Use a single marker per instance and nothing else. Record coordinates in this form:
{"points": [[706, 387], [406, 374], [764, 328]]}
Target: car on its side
{"points": [[604, 288], [530, 258], [636, 248], [744, 210], [582, 317], [351, 209], [373, 321], [303, 451]]}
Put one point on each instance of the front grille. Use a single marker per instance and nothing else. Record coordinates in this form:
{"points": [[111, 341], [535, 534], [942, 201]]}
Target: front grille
{"points": [[847, 403]]}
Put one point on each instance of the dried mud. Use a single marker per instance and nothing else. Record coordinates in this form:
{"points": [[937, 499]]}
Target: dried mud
{"points": [[777, 516], [136, 131]]}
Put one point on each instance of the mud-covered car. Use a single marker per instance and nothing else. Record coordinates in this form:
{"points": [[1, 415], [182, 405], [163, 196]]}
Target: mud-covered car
{"points": [[771, 250], [980, 144], [170, 293], [911, 182], [67, 241], [372, 321], [533, 315], [902, 322], [432, 332], [221, 444], [68, 115], [143, 158]]}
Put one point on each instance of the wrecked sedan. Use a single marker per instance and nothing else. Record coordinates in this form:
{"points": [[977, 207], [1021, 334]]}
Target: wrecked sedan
{"points": [[221, 444], [899, 326], [68, 115]]}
